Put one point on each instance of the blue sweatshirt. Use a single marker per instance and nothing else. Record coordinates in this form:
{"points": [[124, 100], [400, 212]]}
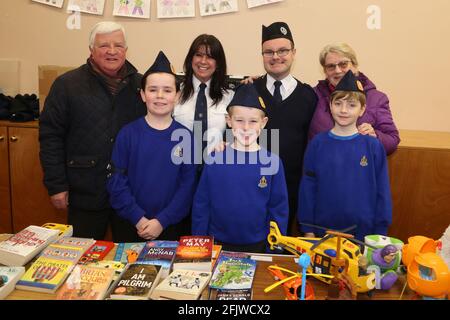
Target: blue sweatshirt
{"points": [[145, 180], [345, 182], [238, 197]]}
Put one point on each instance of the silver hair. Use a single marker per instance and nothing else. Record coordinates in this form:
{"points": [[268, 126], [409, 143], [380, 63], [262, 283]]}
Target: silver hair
{"points": [[105, 27]]}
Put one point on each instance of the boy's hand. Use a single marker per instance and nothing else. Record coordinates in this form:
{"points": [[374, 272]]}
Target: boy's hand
{"points": [[366, 128], [220, 146], [249, 79], [309, 235], [151, 229]]}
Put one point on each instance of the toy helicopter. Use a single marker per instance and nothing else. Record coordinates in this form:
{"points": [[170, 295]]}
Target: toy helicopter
{"points": [[292, 285], [427, 273], [334, 254]]}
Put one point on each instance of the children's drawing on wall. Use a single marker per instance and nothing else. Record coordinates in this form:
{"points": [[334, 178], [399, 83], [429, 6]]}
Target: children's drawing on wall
{"points": [[257, 3], [87, 6], [132, 8], [175, 8], [210, 7], [53, 3]]}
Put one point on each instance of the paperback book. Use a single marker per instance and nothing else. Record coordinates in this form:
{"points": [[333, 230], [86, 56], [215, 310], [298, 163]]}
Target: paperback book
{"points": [[233, 273], [136, 282], [20, 248], [182, 285], [128, 252], [86, 283], [8, 279], [194, 253]]}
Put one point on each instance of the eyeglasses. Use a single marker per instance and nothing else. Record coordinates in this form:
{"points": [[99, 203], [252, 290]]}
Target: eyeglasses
{"points": [[342, 65], [281, 53]]}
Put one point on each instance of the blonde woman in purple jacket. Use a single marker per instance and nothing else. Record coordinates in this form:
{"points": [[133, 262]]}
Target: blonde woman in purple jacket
{"points": [[336, 60]]}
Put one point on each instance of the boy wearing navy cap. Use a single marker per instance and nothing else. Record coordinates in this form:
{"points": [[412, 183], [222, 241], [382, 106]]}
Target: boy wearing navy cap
{"points": [[290, 106], [345, 178], [148, 186], [243, 187]]}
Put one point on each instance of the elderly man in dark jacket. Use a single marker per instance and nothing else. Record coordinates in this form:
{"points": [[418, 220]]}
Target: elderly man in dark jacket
{"points": [[82, 114]]}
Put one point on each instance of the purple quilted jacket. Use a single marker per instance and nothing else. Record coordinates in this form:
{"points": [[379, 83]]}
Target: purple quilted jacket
{"points": [[377, 113]]}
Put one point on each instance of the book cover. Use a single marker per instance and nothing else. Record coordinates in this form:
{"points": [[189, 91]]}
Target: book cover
{"points": [[217, 248], [82, 243], [45, 275], [117, 266], [8, 279], [194, 253], [128, 252], [25, 245], [86, 283], [97, 251], [233, 273], [65, 230], [136, 282], [59, 252], [237, 294], [182, 285], [159, 252]]}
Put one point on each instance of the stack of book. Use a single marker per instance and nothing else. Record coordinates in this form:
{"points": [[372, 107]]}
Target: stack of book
{"points": [[53, 265], [20, 248]]}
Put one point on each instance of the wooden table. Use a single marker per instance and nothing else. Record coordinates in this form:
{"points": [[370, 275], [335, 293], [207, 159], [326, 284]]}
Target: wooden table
{"points": [[262, 279]]}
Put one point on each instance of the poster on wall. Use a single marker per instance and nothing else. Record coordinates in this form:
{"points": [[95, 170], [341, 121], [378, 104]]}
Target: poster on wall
{"points": [[53, 3], [257, 3], [175, 8], [87, 6], [210, 7], [132, 8]]}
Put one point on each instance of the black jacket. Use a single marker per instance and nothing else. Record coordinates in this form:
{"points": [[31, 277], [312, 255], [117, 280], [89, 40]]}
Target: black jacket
{"points": [[77, 129]]}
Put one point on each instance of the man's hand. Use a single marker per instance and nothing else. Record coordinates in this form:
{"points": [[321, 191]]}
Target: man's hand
{"points": [[249, 79], [60, 200], [309, 235]]}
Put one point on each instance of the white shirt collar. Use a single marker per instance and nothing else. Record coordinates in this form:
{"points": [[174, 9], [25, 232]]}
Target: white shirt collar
{"points": [[196, 83], [288, 85]]}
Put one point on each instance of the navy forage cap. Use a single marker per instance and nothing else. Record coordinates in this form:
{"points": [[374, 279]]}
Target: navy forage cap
{"points": [[161, 64], [349, 83], [246, 95], [276, 30]]}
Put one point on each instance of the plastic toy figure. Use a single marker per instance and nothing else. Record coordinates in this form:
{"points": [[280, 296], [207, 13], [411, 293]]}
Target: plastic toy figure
{"points": [[427, 273]]}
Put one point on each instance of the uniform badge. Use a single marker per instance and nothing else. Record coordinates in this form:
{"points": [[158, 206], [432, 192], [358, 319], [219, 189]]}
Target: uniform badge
{"points": [[359, 85], [261, 102], [283, 30], [263, 182], [363, 161], [178, 152]]}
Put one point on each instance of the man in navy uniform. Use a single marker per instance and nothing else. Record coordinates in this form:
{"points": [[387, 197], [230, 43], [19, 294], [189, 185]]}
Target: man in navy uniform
{"points": [[290, 106]]}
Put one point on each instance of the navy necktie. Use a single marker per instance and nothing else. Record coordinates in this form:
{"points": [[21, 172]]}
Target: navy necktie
{"points": [[201, 113], [277, 93]]}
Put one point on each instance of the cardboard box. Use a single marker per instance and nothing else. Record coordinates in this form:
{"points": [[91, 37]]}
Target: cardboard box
{"points": [[48, 74]]}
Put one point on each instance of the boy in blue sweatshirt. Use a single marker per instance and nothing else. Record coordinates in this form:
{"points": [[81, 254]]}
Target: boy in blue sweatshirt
{"points": [[242, 188], [345, 175], [151, 185]]}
